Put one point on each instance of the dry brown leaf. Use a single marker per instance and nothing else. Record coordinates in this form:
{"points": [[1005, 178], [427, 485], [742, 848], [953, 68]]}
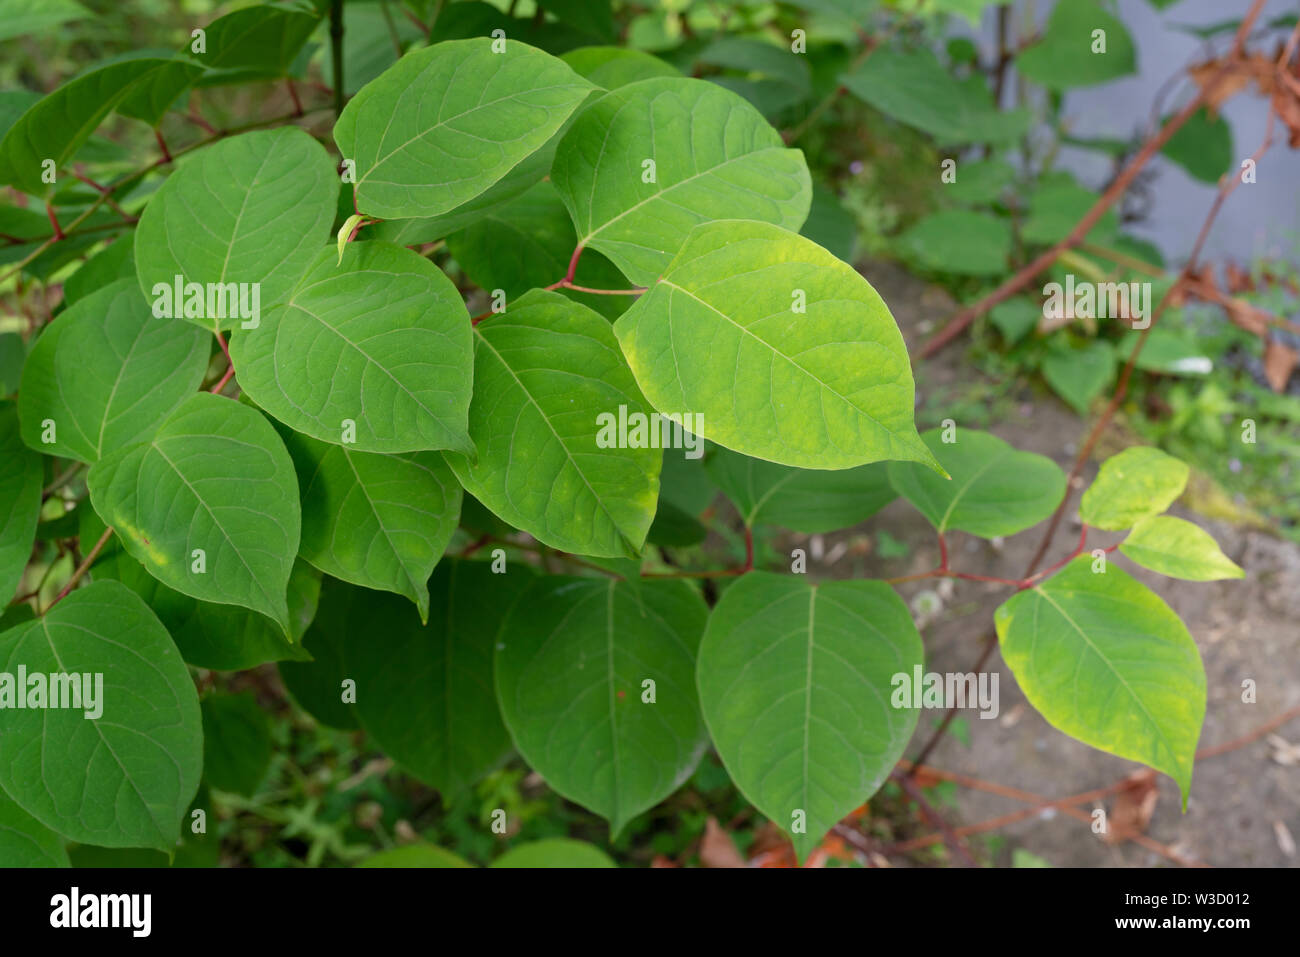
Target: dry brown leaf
{"points": [[717, 849], [1286, 103], [1133, 807], [1230, 86], [1248, 317], [1280, 361]]}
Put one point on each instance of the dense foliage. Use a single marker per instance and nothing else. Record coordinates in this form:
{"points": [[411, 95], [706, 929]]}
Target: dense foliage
{"points": [[267, 427]]}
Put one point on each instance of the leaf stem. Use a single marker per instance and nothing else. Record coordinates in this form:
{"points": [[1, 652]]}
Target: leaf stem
{"points": [[81, 570]]}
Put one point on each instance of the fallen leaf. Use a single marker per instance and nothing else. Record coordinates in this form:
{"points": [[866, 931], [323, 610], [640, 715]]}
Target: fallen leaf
{"points": [[1279, 362], [1134, 806], [717, 849]]}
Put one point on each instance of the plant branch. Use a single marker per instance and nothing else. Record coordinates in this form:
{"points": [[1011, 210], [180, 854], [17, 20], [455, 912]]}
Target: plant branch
{"points": [[81, 570]]}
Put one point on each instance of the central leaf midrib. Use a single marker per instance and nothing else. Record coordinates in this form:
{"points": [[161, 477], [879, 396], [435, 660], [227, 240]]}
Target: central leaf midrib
{"points": [[777, 352], [545, 418], [1173, 753]]}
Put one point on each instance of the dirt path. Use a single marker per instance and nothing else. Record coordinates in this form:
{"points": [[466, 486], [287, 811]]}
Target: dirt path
{"points": [[1247, 629]]}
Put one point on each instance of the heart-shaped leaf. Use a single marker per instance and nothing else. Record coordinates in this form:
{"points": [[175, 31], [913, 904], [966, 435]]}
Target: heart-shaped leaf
{"points": [[1107, 662], [445, 123], [621, 735], [645, 164], [1082, 45], [424, 693], [374, 353], [1135, 484], [252, 210], [795, 683], [546, 372], [381, 521], [785, 352], [995, 490], [128, 760], [106, 374], [208, 505]]}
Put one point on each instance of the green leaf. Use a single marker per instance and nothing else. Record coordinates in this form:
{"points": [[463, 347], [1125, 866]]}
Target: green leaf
{"points": [[795, 683], [252, 209], [160, 90], [546, 372], [1202, 146], [410, 232], [554, 852], [319, 685], [237, 743], [125, 776], [1167, 351], [415, 855], [1056, 207], [913, 87], [718, 336], [380, 521], [257, 42], [1080, 375], [215, 477], [492, 110], [803, 500], [1135, 484], [527, 244], [713, 155], [980, 182], [1065, 57], [25, 841], [382, 342], [1016, 317], [54, 128], [674, 528], [830, 225], [370, 32], [1179, 549], [115, 261], [611, 67], [593, 733], [106, 374], [754, 56], [959, 241], [424, 693], [995, 490], [21, 477], [221, 637], [1106, 661], [18, 17]]}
